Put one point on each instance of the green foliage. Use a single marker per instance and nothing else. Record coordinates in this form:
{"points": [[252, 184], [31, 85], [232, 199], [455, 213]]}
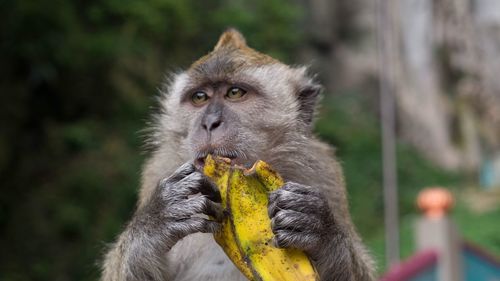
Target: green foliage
{"points": [[77, 79], [480, 228]]}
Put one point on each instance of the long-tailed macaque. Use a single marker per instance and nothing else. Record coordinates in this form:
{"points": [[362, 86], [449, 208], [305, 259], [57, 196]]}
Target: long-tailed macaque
{"points": [[241, 104]]}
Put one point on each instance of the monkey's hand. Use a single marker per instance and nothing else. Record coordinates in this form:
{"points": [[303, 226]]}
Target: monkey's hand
{"points": [[177, 207], [181, 203], [300, 218]]}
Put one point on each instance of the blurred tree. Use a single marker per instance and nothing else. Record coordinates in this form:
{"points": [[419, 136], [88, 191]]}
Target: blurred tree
{"points": [[337, 34], [449, 102], [447, 61]]}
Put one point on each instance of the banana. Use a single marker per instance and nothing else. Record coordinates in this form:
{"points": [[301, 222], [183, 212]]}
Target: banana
{"points": [[246, 232]]}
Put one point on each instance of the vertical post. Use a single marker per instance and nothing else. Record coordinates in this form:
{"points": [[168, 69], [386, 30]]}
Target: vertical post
{"points": [[435, 230], [388, 48]]}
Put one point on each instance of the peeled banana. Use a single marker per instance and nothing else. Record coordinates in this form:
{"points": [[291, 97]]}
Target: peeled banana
{"points": [[246, 232]]}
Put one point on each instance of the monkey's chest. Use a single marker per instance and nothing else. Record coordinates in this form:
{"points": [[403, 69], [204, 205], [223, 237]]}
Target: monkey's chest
{"points": [[198, 257]]}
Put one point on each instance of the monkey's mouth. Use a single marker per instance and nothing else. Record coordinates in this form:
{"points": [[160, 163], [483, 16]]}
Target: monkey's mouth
{"points": [[199, 161]]}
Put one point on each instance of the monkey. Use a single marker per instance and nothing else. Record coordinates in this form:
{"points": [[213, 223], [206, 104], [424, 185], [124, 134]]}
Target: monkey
{"points": [[241, 104]]}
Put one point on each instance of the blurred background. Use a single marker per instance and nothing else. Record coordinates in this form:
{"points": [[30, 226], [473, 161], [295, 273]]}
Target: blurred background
{"points": [[78, 80]]}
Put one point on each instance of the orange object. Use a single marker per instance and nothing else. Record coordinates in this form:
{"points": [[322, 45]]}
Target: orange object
{"points": [[435, 202]]}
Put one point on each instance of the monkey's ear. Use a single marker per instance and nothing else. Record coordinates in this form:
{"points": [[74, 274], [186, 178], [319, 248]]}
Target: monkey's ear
{"points": [[231, 38], [308, 98]]}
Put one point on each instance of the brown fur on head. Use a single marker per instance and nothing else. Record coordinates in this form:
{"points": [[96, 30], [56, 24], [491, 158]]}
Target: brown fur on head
{"points": [[231, 38], [233, 43]]}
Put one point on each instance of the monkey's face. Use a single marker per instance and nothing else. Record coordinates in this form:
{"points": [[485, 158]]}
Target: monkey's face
{"points": [[238, 103], [220, 111], [233, 118]]}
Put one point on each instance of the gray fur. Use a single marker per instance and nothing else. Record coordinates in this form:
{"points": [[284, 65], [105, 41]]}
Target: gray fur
{"points": [[163, 240], [169, 216]]}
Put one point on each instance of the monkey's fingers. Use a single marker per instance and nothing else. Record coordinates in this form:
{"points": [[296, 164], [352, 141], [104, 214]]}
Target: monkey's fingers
{"points": [[203, 205], [195, 183], [181, 172], [214, 210], [295, 221], [202, 225], [183, 227], [190, 184], [296, 240], [301, 189], [285, 200], [196, 205], [211, 190]]}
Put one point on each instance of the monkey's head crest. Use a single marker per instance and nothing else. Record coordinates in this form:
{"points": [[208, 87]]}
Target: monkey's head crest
{"points": [[231, 38], [232, 44]]}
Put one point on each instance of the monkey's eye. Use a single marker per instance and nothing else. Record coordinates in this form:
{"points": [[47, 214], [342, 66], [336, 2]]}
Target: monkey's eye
{"points": [[235, 93], [199, 98]]}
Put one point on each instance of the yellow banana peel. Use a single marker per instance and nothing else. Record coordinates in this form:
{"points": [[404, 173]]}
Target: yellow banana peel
{"points": [[246, 232]]}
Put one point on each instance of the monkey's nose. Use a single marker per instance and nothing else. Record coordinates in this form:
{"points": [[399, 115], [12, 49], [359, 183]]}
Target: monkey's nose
{"points": [[211, 122]]}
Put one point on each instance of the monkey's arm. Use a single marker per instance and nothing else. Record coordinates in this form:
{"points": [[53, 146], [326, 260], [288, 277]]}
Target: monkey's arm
{"points": [[302, 218], [139, 254]]}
